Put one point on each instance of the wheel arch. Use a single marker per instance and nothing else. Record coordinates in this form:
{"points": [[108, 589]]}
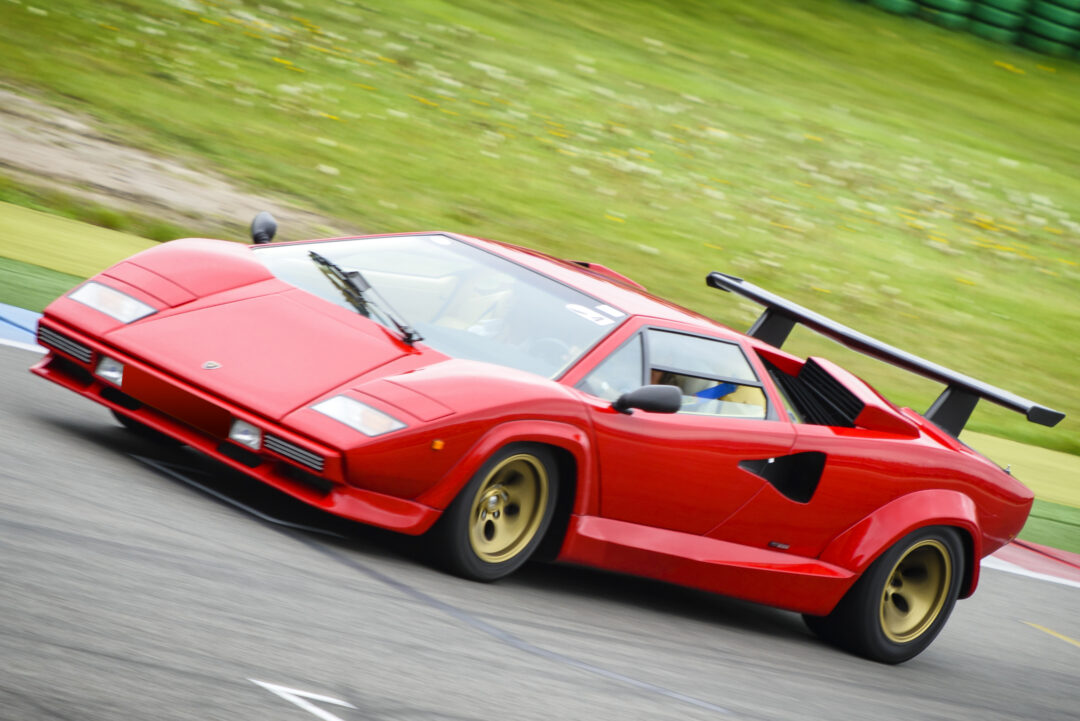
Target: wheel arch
{"points": [[861, 544], [971, 563], [564, 504], [570, 445]]}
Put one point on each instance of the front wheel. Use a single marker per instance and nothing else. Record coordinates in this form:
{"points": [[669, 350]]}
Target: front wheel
{"points": [[901, 601], [500, 517]]}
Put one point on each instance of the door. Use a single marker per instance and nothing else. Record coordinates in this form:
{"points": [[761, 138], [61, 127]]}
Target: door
{"points": [[681, 471]]}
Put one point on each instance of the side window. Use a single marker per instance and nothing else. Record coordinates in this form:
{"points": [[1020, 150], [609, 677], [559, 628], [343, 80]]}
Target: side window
{"points": [[619, 373], [715, 378]]}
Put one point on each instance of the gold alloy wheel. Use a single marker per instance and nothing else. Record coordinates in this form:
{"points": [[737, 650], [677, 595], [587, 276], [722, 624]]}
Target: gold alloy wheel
{"points": [[916, 591], [508, 508]]}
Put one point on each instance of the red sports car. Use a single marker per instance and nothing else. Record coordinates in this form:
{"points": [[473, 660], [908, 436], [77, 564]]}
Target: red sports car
{"points": [[510, 405]]}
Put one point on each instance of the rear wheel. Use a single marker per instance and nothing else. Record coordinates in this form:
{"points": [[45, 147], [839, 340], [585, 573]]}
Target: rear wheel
{"points": [[499, 519], [902, 600]]}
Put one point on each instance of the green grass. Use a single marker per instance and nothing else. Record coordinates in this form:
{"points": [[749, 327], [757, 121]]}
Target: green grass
{"points": [[1054, 476], [67, 205], [31, 286], [1053, 525], [69, 247], [917, 184]]}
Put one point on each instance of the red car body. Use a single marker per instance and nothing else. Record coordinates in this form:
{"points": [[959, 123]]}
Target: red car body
{"points": [[663, 495]]}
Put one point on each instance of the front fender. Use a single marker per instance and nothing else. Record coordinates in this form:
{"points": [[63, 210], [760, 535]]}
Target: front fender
{"points": [[856, 548], [562, 435]]}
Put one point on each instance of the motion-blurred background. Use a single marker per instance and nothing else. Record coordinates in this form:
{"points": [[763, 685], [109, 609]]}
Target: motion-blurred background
{"points": [[916, 180]]}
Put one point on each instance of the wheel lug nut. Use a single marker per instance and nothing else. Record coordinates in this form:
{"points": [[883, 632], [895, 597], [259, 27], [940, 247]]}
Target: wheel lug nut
{"points": [[495, 514]]}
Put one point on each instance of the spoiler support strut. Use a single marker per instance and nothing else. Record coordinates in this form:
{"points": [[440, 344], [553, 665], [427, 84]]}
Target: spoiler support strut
{"points": [[950, 411]]}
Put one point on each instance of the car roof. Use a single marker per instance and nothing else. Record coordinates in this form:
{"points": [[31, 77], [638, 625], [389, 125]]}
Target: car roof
{"points": [[625, 297]]}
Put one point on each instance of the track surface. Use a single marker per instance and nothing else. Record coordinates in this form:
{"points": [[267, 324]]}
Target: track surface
{"points": [[126, 593]]}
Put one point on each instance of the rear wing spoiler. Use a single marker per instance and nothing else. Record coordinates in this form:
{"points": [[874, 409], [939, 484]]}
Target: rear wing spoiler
{"points": [[952, 408]]}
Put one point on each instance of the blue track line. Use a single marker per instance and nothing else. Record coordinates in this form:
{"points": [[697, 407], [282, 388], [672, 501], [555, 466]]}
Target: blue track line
{"points": [[18, 326]]}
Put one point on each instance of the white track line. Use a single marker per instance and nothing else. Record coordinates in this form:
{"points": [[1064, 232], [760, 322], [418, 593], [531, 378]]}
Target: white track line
{"points": [[24, 346], [998, 565]]}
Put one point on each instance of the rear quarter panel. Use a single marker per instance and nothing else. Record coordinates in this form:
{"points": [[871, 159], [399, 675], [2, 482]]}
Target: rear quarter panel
{"points": [[876, 488]]}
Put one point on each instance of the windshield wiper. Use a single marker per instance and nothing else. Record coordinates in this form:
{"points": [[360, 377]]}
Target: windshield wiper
{"points": [[360, 295]]}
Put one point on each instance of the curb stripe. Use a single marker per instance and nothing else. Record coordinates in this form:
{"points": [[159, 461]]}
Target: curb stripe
{"points": [[998, 565]]}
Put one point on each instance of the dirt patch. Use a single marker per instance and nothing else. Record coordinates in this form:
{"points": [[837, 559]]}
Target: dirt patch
{"points": [[48, 147]]}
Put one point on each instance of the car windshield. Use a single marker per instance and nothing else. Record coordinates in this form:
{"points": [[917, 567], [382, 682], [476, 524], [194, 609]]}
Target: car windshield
{"points": [[464, 301]]}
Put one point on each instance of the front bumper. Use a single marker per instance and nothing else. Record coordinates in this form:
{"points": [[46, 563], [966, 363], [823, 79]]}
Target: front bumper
{"points": [[301, 467]]}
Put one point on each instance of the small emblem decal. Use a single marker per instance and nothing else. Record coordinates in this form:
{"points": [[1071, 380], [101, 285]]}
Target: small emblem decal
{"points": [[211, 365]]}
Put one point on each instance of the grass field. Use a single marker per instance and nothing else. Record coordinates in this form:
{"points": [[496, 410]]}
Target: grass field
{"points": [[70, 247], [30, 286], [55, 202], [917, 184]]}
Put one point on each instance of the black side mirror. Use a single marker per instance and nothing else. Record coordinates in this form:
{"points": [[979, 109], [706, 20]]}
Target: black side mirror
{"points": [[655, 399], [263, 228]]}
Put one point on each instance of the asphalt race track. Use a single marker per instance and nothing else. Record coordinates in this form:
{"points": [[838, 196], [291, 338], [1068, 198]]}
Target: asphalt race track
{"points": [[127, 592]]}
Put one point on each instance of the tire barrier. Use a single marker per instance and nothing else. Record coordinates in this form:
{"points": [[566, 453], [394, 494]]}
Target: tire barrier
{"points": [[1050, 27]]}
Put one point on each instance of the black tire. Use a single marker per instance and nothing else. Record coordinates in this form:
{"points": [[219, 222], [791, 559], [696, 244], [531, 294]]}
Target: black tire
{"points": [[949, 21], [998, 18], [991, 32], [896, 7], [1044, 46], [1051, 31], [499, 518], [1012, 6], [822, 628], [901, 602], [1057, 14], [958, 7], [144, 431]]}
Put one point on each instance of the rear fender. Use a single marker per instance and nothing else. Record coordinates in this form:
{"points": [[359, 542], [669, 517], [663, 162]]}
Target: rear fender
{"points": [[562, 435], [856, 548]]}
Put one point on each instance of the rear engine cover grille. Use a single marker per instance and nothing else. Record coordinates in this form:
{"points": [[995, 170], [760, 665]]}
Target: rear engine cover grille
{"points": [[845, 403], [51, 338], [294, 452], [818, 397]]}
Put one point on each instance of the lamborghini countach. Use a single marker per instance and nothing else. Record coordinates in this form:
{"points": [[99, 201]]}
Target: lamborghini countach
{"points": [[508, 405]]}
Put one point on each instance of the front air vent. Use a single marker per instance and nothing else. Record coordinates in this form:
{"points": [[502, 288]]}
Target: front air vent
{"points": [[240, 455], [48, 337], [293, 452], [308, 480], [120, 398]]}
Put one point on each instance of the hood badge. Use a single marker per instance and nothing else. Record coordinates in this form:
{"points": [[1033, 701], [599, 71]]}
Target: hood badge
{"points": [[211, 365]]}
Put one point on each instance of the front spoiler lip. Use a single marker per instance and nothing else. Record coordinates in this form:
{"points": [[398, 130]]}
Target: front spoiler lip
{"points": [[378, 509]]}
